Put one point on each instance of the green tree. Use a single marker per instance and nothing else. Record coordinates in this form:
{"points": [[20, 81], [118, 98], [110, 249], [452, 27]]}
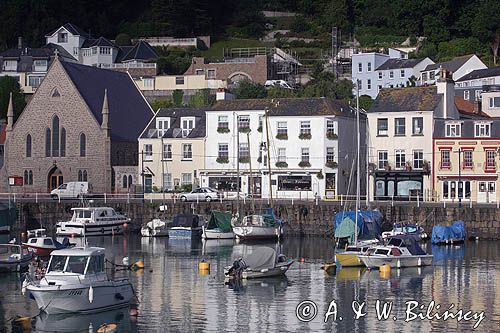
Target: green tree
{"points": [[460, 46], [486, 25], [9, 85], [202, 98], [365, 102], [280, 92], [177, 97], [123, 39], [246, 89], [161, 103]]}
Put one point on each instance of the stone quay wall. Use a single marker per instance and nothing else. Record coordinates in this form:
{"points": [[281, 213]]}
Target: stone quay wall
{"points": [[302, 218]]}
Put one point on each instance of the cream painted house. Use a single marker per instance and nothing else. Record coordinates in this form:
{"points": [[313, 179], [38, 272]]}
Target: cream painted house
{"points": [[164, 85], [172, 149]]}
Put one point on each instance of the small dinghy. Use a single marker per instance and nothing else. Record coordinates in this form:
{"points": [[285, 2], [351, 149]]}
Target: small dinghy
{"points": [[260, 262], [155, 228], [43, 246], [219, 226], [14, 258]]}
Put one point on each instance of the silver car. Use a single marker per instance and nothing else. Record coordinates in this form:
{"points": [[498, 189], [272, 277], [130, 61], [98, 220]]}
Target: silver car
{"points": [[202, 194]]}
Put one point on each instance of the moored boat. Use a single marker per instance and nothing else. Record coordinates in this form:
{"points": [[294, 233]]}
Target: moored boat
{"points": [[409, 229], [76, 281], [43, 246], [401, 251], [186, 226], [14, 258], [155, 228], [258, 226], [350, 257], [218, 226], [92, 221], [261, 262], [444, 235]]}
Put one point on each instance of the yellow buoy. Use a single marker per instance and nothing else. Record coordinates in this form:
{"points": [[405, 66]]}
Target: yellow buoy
{"points": [[385, 275], [24, 323], [107, 328], [204, 266], [138, 265], [386, 269]]}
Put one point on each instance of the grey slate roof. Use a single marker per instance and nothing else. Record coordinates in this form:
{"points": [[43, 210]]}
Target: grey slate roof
{"points": [[175, 115], [406, 99], [72, 29], [128, 110], [481, 73], [467, 128], [101, 41], [140, 51], [399, 63], [26, 56], [289, 106], [451, 65]]}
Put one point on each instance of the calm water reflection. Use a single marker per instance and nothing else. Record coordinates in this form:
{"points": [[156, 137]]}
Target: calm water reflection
{"points": [[174, 296]]}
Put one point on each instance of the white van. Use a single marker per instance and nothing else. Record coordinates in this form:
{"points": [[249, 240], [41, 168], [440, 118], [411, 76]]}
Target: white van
{"points": [[71, 190]]}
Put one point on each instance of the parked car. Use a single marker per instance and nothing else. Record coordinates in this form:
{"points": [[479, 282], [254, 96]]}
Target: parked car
{"points": [[202, 194], [71, 190], [277, 83]]}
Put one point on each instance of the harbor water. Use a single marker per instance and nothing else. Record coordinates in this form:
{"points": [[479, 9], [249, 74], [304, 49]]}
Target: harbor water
{"points": [[174, 296]]}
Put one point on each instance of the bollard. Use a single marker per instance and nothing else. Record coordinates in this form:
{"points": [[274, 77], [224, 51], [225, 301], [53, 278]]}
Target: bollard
{"points": [[14, 197], [128, 198], [292, 201], [444, 203], [105, 199], [341, 202], [59, 198], [418, 200], [392, 200], [36, 197], [470, 203], [151, 199]]}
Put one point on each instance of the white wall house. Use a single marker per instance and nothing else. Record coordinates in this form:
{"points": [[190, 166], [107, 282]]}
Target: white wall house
{"points": [[491, 101], [311, 147], [363, 69], [459, 67], [70, 37], [470, 86]]}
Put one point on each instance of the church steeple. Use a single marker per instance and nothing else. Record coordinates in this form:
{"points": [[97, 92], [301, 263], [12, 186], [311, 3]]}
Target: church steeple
{"points": [[105, 113]]}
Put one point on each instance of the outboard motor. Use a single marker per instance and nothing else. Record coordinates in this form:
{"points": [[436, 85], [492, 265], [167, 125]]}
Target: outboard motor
{"points": [[238, 267]]}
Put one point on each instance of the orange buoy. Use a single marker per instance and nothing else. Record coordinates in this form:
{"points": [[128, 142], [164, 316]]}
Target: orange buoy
{"points": [[302, 260]]}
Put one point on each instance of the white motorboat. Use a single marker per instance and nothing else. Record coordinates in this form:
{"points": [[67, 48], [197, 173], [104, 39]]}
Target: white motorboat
{"points": [[260, 262], [401, 251], [43, 246], [14, 258], [412, 229], [92, 221], [76, 281], [218, 226], [155, 228], [186, 226], [258, 226]]}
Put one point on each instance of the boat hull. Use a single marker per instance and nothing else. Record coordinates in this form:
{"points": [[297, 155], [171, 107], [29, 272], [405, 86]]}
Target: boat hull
{"points": [[184, 232], [397, 262], [248, 273], [349, 260], [90, 229], [216, 234], [255, 232], [147, 232], [71, 299], [39, 251], [15, 265]]}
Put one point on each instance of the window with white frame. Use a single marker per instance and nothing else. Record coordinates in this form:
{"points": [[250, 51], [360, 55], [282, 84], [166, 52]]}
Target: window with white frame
{"points": [[199, 71], [379, 87], [360, 84], [402, 73], [304, 154], [162, 125], [35, 81], [490, 159], [453, 129], [418, 125], [222, 122], [305, 127], [104, 50], [40, 65], [281, 154], [400, 159], [187, 151], [466, 95], [445, 159], [244, 150], [223, 151], [331, 127], [282, 128], [148, 152], [243, 122], [75, 50], [179, 80], [382, 159], [94, 50], [418, 159], [167, 181], [62, 37], [186, 179], [330, 154], [432, 75], [368, 84], [468, 161], [494, 102], [391, 75], [167, 151], [380, 75], [260, 121], [369, 67], [187, 125], [382, 127], [211, 74], [477, 95], [424, 76], [399, 126], [360, 68], [148, 82], [482, 130]]}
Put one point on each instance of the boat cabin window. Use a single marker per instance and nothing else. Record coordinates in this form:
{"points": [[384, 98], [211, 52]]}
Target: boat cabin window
{"points": [[354, 249], [57, 264], [32, 241], [96, 264], [410, 229], [395, 252], [382, 251], [365, 249], [84, 214], [395, 242], [76, 264], [103, 213], [47, 241]]}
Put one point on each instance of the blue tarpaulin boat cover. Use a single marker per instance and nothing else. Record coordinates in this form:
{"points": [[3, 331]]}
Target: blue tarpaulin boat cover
{"points": [[369, 223], [442, 234]]}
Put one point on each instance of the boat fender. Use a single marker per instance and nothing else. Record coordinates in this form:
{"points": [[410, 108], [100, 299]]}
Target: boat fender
{"points": [[125, 261], [91, 294], [25, 284], [119, 296]]}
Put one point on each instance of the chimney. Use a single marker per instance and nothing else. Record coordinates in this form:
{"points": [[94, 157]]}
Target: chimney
{"points": [[446, 87], [223, 95], [19, 42], [105, 113], [477, 106]]}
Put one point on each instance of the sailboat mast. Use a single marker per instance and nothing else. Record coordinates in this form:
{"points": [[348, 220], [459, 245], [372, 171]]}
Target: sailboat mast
{"points": [[238, 164], [357, 161], [269, 158], [162, 173], [251, 182]]}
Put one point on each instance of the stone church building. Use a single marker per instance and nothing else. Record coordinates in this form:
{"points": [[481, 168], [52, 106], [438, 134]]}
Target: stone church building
{"points": [[81, 124]]}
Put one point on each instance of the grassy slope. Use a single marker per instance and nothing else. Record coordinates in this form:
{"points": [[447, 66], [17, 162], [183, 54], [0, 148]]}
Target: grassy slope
{"points": [[216, 50]]}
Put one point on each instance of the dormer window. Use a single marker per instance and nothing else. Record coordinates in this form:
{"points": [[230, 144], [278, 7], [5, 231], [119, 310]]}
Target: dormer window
{"points": [[162, 125], [187, 125], [10, 65], [494, 102], [482, 130], [62, 37], [453, 130], [40, 65]]}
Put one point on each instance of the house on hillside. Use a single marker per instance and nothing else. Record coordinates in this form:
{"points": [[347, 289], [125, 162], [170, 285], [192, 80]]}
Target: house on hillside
{"points": [[458, 67], [471, 86], [81, 124]]}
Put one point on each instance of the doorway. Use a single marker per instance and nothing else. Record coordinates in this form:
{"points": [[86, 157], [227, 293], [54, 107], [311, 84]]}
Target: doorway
{"points": [[55, 178]]}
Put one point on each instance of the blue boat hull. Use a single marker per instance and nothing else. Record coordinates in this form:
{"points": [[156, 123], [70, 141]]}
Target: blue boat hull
{"points": [[181, 232]]}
